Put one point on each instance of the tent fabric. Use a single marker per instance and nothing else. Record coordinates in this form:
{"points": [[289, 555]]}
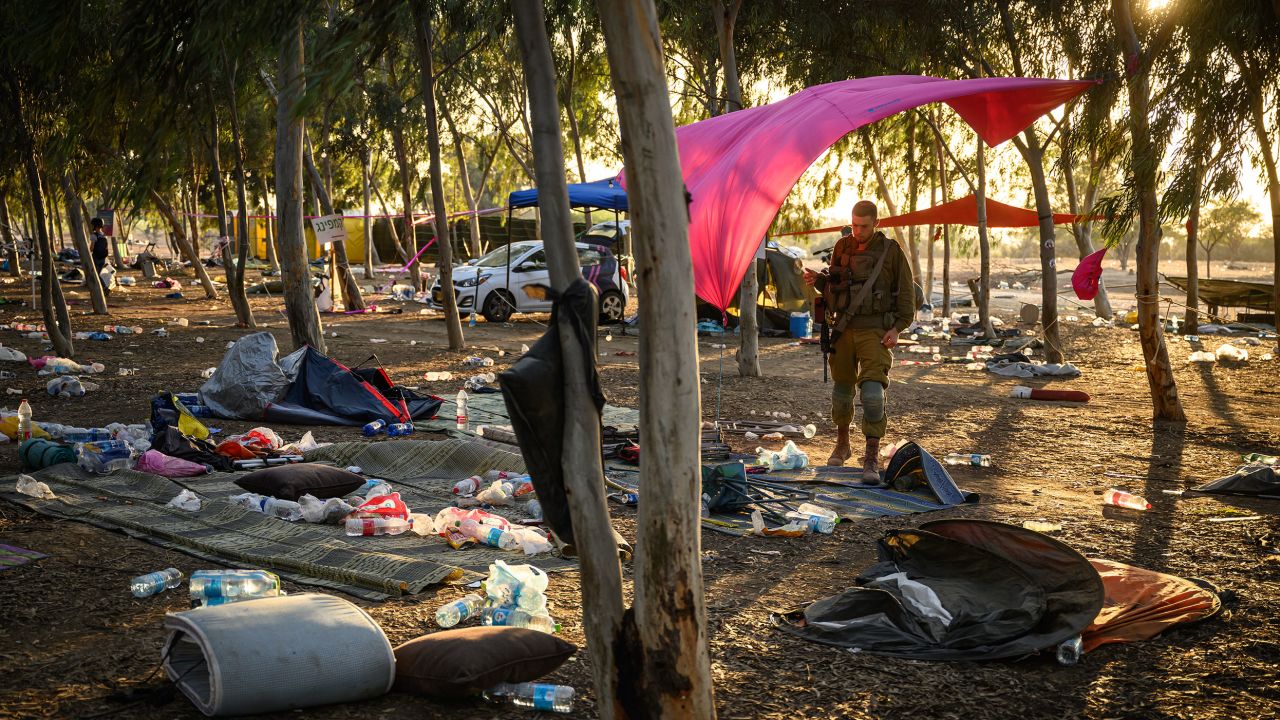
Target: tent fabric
{"points": [[533, 389], [1141, 604], [740, 167], [964, 211], [1008, 592], [1229, 293], [1087, 274], [1246, 480], [607, 194], [247, 380], [323, 391]]}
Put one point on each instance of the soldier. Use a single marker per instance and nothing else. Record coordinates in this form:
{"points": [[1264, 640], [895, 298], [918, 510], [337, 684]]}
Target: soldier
{"points": [[870, 299]]}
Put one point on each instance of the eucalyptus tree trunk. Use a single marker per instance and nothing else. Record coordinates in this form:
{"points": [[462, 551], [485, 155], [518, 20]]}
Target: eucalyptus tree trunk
{"points": [[1033, 154], [913, 191], [391, 226], [422, 39], [945, 182], [983, 293], [1083, 230], [370, 252], [81, 239], [409, 245], [464, 177], [57, 322], [235, 276], [583, 469], [270, 223], [351, 298], [6, 234], [299, 297], [1268, 150], [1160, 379], [669, 667], [725, 15], [184, 244], [235, 280], [1191, 322]]}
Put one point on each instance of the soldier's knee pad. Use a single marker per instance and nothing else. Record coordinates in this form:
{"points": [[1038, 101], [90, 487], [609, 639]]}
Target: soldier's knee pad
{"points": [[842, 403], [872, 400]]}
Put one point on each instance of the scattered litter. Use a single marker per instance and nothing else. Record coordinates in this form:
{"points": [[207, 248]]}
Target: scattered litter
{"points": [[1201, 356], [28, 485], [1232, 353], [1246, 518], [437, 376], [199, 339], [1120, 498], [377, 341], [1041, 526], [185, 500], [789, 457], [208, 372]]}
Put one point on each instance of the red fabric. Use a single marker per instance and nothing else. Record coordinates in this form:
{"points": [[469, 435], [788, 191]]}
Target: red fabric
{"points": [[1064, 395], [739, 167], [964, 211], [1085, 278]]}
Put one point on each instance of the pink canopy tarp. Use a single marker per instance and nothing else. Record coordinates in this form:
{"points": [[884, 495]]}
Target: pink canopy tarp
{"points": [[964, 211], [740, 167]]}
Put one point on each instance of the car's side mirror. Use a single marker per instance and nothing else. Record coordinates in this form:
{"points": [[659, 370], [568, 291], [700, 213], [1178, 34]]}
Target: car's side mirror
{"points": [[525, 266]]}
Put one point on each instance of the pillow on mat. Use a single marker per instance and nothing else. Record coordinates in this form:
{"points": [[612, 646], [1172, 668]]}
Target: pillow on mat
{"points": [[290, 482], [457, 663]]}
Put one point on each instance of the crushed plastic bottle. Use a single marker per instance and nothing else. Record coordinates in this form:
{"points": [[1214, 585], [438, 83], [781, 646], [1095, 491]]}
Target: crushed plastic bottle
{"points": [[31, 487], [155, 583], [458, 610], [534, 509], [219, 587], [1120, 498], [498, 493], [819, 519], [475, 361], [1070, 651], [975, 459], [104, 456], [469, 486], [534, 696], [489, 535], [275, 507], [376, 526]]}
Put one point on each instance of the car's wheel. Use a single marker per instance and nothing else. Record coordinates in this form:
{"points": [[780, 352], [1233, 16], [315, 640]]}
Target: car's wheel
{"points": [[498, 307], [612, 307]]}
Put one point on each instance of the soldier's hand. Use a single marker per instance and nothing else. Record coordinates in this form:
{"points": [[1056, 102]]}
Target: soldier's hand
{"points": [[890, 338], [810, 277]]}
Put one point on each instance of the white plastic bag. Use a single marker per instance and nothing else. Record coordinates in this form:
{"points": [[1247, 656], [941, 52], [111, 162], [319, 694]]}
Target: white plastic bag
{"points": [[28, 485], [185, 500]]}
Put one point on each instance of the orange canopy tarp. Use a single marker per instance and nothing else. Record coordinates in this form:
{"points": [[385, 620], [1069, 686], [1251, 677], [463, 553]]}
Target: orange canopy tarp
{"points": [[964, 211]]}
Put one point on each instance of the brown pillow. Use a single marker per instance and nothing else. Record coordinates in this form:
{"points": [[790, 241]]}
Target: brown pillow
{"points": [[290, 482], [457, 663]]}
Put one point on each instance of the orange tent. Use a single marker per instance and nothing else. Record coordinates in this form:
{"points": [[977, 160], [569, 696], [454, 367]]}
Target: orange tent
{"points": [[964, 211]]}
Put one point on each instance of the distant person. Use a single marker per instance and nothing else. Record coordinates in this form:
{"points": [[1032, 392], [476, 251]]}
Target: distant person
{"points": [[870, 299], [99, 251]]}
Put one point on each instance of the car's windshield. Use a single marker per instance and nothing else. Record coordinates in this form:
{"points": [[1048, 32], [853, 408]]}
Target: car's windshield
{"points": [[498, 258]]}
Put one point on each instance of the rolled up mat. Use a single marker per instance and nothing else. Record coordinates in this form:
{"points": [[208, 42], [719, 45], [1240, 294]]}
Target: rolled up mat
{"points": [[37, 454], [278, 653], [1026, 393]]}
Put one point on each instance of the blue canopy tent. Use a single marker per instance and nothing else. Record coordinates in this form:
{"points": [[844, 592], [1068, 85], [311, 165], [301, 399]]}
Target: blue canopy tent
{"points": [[605, 194]]}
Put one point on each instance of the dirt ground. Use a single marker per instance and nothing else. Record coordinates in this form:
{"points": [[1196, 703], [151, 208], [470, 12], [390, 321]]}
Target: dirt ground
{"points": [[73, 637]]}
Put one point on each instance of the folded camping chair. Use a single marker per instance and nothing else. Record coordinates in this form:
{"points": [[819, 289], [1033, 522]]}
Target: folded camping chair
{"points": [[731, 490]]}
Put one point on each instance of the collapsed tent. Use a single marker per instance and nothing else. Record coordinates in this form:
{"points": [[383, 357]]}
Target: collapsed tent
{"points": [[1249, 480], [1229, 293], [780, 278], [306, 388], [739, 167], [982, 590]]}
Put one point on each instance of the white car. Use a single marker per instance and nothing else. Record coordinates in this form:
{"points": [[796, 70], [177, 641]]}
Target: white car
{"points": [[495, 285]]}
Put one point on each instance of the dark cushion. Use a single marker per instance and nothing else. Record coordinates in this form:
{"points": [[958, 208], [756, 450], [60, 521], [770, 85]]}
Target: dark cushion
{"points": [[457, 663], [290, 482]]}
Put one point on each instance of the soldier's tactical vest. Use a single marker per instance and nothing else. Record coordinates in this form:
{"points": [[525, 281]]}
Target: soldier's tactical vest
{"points": [[849, 270]]}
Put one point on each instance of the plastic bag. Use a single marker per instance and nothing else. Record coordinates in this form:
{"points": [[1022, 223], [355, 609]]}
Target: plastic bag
{"points": [[532, 541], [789, 457], [261, 438], [302, 445], [330, 511], [157, 463], [524, 586], [185, 500], [1231, 352], [28, 485], [384, 506]]}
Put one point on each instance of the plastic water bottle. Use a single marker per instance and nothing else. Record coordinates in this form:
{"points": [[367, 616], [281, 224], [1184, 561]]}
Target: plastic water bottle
{"points": [[461, 402], [156, 582], [283, 509], [468, 486], [399, 429], [219, 587], [374, 428], [968, 459], [458, 610], [536, 696], [24, 420], [376, 526], [489, 535], [105, 456], [816, 519], [471, 322], [541, 622], [1069, 651], [1120, 498], [534, 509], [80, 435]]}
